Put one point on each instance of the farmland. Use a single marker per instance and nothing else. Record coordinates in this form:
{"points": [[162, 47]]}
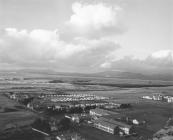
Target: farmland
{"points": [[13, 114]]}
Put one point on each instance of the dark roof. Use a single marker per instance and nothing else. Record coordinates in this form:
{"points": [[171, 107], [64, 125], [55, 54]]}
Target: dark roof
{"points": [[104, 112], [115, 116], [106, 124], [114, 122]]}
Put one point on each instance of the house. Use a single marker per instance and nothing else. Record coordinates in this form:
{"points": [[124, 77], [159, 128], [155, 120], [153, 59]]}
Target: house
{"points": [[110, 106], [168, 99], [101, 112], [147, 97], [30, 106], [70, 136], [157, 97], [136, 122], [13, 96]]}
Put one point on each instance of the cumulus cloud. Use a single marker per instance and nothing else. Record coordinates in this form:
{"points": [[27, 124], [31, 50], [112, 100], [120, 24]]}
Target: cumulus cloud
{"points": [[79, 44], [163, 58], [44, 48], [96, 16], [158, 62], [86, 42], [93, 21]]}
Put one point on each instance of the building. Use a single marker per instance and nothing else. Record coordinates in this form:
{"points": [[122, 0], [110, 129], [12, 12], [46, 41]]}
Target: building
{"points": [[13, 96], [147, 97], [112, 126], [135, 121], [105, 126], [157, 97], [70, 136], [101, 112], [168, 99], [18, 96], [30, 106], [71, 97]]}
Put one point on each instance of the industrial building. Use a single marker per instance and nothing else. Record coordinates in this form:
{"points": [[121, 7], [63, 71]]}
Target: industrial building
{"points": [[112, 126]]}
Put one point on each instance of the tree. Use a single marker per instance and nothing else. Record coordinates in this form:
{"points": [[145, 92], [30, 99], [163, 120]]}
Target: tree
{"points": [[42, 125], [65, 124]]}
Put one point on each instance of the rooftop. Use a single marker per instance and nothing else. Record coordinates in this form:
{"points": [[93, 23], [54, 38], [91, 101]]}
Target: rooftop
{"points": [[111, 123], [104, 112]]}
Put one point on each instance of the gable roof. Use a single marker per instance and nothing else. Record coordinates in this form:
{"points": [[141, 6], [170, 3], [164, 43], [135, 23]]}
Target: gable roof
{"points": [[112, 123], [103, 111]]}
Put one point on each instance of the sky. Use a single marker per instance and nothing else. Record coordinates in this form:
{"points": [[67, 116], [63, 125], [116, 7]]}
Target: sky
{"points": [[87, 35]]}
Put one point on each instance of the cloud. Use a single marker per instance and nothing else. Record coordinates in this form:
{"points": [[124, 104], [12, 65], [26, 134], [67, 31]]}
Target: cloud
{"points": [[96, 16], [162, 58], [93, 21], [43, 48], [158, 62], [162, 54], [85, 43], [81, 44]]}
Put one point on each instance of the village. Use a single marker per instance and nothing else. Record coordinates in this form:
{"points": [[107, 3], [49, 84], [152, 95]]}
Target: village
{"points": [[62, 112], [159, 97]]}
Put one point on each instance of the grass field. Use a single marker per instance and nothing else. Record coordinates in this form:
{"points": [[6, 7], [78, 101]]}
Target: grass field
{"points": [[155, 113], [13, 114]]}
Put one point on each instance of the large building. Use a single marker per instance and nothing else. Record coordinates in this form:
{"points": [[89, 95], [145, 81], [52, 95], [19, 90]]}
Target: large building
{"points": [[112, 126], [105, 126], [101, 112]]}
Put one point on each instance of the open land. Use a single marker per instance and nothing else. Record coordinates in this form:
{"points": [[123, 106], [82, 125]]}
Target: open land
{"points": [[155, 113]]}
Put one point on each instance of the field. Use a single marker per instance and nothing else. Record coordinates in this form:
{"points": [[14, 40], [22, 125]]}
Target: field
{"points": [[13, 114], [156, 113]]}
